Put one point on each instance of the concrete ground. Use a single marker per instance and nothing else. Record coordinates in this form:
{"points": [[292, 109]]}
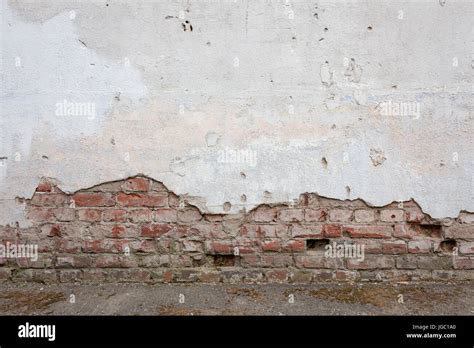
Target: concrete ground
{"points": [[232, 299]]}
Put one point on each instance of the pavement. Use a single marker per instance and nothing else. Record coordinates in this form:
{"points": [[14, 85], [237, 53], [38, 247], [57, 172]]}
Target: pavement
{"points": [[424, 298]]}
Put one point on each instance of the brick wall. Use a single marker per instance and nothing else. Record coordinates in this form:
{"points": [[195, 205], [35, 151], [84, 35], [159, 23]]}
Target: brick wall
{"points": [[136, 230]]}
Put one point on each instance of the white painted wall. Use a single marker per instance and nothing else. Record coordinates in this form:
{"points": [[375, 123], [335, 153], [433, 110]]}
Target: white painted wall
{"points": [[262, 79]]}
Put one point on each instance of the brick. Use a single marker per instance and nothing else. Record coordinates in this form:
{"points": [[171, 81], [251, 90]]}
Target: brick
{"points": [[73, 261], [332, 231], [49, 199], [276, 260], [210, 230], [189, 215], [340, 215], [64, 214], [463, 262], [368, 231], [371, 246], [88, 199], [392, 215], [89, 215], [192, 246], [114, 215], [395, 247], [142, 199], [294, 246], [315, 215], [364, 215], [461, 231], [140, 215], [258, 231], [434, 262], [300, 277], [304, 231], [155, 230], [44, 186], [246, 246], [114, 261], [414, 215], [264, 213], [345, 275], [314, 261], [250, 260], [209, 277], [466, 218], [70, 275], [165, 215], [466, 247], [40, 214], [136, 185], [271, 245], [220, 247], [291, 215], [419, 246], [104, 246], [372, 262], [415, 231], [158, 186], [277, 276]]}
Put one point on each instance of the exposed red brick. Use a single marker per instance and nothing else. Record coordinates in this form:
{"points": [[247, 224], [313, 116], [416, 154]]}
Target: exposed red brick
{"points": [[114, 215], [291, 215], [312, 215], [89, 215], [340, 215], [136, 184], [394, 247], [189, 215], [87, 199], [368, 231], [332, 231], [271, 245], [142, 199], [264, 213], [155, 230], [44, 186]]}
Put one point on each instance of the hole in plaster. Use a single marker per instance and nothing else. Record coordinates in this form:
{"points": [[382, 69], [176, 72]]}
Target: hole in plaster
{"points": [[369, 28], [223, 260], [243, 175], [243, 198], [44, 157], [324, 162], [447, 246], [227, 206], [316, 244], [326, 29]]}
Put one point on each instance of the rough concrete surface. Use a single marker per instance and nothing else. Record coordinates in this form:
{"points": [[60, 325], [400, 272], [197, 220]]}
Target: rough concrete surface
{"points": [[233, 299], [230, 99]]}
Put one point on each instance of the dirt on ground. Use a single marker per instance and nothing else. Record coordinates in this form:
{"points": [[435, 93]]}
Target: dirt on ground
{"points": [[231, 299]]}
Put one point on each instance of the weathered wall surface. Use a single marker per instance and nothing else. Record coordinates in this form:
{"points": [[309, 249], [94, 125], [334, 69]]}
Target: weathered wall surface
{"points": [[296, 88], [234, 104], [135, 230]]}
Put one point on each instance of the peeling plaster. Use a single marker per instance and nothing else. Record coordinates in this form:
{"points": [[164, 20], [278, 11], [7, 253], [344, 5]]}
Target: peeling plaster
{"points": [[167, 102]]}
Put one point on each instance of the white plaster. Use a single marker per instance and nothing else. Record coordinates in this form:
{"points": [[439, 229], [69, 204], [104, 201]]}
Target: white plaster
{"points": [[251, 78]]}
